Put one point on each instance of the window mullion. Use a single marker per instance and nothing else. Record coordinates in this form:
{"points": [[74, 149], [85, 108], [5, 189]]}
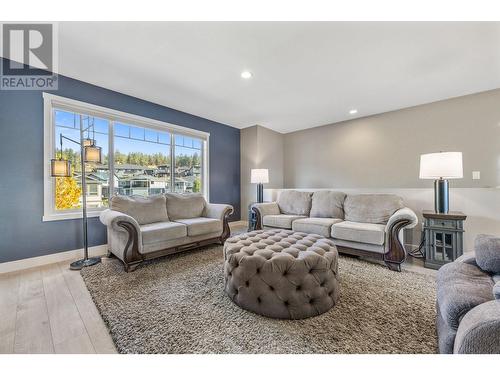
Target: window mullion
{"points": [[111, 158], [172, 163]]}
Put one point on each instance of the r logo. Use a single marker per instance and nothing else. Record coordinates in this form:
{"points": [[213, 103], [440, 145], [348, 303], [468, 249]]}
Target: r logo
{"points": [[29, 56], [28, 48]]}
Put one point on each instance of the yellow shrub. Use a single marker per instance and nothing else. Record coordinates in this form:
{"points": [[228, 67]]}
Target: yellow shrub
{"points": [[68, 193]]}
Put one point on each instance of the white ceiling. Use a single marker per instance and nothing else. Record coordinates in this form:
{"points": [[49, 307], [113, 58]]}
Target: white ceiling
{"points": [[305, 74]]}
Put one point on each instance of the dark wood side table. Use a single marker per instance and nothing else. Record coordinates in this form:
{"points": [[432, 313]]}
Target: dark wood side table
{"points": [[443, 237]]}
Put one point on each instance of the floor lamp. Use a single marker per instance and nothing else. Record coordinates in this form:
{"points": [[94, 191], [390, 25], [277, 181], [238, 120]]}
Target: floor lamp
{"points": [[89, 153]]}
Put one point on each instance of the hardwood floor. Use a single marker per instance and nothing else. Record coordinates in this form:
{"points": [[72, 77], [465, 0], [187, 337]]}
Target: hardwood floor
{"points": [[49, 310]]}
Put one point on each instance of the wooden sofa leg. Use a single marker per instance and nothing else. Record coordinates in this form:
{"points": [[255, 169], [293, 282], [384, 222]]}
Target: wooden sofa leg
{"points": [[131, 267], [393, 266]]}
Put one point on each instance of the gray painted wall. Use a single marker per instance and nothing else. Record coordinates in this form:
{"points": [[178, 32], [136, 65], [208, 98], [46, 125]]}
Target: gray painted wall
{"points": [[22, 232], [381, 154], [383, 151], [260, 148]]}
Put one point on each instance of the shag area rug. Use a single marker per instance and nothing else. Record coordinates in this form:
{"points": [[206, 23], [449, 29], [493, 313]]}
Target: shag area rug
{"points": [[177, 305]]}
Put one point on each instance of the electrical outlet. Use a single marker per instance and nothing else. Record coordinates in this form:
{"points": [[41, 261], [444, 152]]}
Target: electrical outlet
{"points": [[476, 175]]}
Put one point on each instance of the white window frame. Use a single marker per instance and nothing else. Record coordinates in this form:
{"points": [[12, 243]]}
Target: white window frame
{"points": [[53, 102]]}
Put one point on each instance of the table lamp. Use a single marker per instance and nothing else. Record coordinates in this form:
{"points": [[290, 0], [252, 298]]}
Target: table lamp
{"points": [[259, 177], [440, 167]]}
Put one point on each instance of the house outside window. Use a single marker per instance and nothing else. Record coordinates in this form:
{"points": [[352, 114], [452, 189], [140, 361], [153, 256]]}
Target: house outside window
{"points": [[140, 156]]}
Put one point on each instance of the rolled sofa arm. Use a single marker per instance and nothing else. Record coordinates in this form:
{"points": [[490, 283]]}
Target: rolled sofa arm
{"points": [[263, 209], [110, 218], [217, 211], [220, 212], [403, 214], [479, 330], [124, 234]]}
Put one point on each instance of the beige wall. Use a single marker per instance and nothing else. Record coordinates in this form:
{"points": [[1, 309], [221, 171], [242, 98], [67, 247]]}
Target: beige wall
{"points": [[383, 151], [381, 154], [260, 148]]}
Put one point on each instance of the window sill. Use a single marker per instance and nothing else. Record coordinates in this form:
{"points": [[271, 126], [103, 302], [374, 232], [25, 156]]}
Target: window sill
{"points": [[69, 215]]}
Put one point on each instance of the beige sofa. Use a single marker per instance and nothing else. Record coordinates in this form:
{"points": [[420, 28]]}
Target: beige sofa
{"points": [[141, 228], [368, 225]]}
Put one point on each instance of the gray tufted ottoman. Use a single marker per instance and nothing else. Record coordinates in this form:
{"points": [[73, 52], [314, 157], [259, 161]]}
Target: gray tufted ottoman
{"points": [[281, 273]]}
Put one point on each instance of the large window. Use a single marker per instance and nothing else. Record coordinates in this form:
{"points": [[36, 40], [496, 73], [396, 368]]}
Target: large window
{"points": [[68, 190], [140, 156]]}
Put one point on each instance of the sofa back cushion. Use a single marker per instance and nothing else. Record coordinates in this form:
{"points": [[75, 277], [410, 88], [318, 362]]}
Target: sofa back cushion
{"points": [[487, 249], [328, 203], [145, 210], [292, 202], [371, 208], [184, 206]]}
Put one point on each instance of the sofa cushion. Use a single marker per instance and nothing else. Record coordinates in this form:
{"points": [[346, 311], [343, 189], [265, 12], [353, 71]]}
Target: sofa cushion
{"points": [[292, 202], [144, 210], [280, 221], [359, 232], [461, 287], [371, 208], [165, 231], [201, 225], [487, 250], [184, 206], [327, 203], [317, 225]]}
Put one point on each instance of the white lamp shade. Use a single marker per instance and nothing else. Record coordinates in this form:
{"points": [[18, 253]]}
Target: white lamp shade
{"points": [[441, 165], [259, 176]]}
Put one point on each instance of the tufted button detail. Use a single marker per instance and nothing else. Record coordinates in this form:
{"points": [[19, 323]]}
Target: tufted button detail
{"points": [[271, 287], [258, 270], [247, 284], [311, 301], [298, 287], [286, 303], [259, 300]]}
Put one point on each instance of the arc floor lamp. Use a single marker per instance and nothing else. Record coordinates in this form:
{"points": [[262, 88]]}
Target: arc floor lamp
{"points": [[89, 153]]}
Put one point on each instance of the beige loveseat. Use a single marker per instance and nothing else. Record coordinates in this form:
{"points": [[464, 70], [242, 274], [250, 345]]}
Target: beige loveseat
{"points": [[368, 225], [141, 228]]}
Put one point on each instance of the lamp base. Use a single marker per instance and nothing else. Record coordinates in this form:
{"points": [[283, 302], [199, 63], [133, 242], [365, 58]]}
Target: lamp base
{"points": [[260, 193], [79, 264], [441, 196]]}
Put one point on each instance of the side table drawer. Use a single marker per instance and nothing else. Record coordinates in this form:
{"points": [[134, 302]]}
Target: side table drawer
{"points": [[445, 224]]}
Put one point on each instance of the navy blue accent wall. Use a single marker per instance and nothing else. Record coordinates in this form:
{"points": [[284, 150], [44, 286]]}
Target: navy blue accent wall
{"points": [[22, 232]]}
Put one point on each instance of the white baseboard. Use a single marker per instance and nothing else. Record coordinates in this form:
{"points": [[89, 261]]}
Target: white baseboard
{"points": [[23, 264]]}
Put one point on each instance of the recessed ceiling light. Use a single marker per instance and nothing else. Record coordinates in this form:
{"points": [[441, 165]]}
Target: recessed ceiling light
{"points": [[246, 74], [353, 111]]}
